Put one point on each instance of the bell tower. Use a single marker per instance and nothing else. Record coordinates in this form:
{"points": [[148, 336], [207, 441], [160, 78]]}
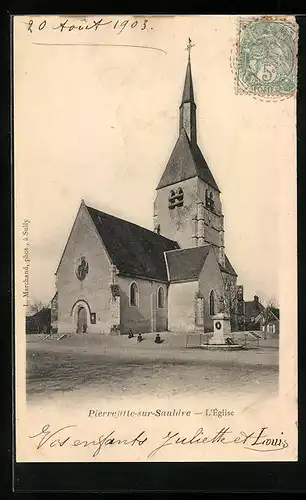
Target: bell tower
{"points": [[187, 206]]}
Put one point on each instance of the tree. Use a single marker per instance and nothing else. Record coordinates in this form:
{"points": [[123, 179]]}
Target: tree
{"points": [[228, 301], [38, 317], [36, 306], [268, 313]]}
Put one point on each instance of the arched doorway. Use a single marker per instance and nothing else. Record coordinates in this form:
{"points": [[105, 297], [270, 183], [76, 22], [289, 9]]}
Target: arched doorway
{"points": [[82, 320]]}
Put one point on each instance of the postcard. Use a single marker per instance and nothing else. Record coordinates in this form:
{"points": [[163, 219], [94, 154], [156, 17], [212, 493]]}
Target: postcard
{"points": [[155, 238]]}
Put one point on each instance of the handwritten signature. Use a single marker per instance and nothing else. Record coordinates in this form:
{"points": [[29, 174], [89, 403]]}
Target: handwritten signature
{"points": [[253, 441], [259, 441]]}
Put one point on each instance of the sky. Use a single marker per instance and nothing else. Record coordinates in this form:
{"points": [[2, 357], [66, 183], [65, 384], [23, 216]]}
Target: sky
{"points": [[99, 122]]}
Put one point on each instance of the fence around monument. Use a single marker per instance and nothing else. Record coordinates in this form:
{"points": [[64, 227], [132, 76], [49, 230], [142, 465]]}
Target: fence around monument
{"points": [[249, 340]]}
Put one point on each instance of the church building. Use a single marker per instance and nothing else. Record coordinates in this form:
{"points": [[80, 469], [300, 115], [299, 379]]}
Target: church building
{"points": [[115, 276]]}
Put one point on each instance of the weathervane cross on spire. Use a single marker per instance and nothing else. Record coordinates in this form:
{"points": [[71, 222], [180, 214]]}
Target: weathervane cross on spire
{"points": [[189, 47]]}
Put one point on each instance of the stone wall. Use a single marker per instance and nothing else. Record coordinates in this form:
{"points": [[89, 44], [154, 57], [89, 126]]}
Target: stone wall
{"points": [[182, 306], [213, 220], [145, 316], [210, 279], [176, 223], [94, 292]]}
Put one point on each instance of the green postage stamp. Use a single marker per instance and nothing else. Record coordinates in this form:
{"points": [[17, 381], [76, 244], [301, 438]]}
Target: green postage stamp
{"points": [[266, 59]]}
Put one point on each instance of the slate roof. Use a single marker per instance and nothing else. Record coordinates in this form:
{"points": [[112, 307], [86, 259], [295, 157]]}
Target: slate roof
{"points": [[228, 267], [272, 313], [133, 249], [186, 264], [188, 86], [252, 309], [275, 311], [43, 315], [186, 161]]}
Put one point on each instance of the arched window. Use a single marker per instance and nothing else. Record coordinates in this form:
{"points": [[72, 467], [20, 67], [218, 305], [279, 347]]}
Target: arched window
{"points": [[211, 201], [172, 199], [179, 197], [160, 298], [207, 199], [134, 294], [176, 199], [212, 303]]}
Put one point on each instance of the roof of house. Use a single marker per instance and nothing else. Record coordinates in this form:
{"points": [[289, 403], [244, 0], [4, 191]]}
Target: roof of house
{"points": [[252, 309], [275, 311], [134, 250], [186, 264], [186, 161], [271, 314], [43, 315]]}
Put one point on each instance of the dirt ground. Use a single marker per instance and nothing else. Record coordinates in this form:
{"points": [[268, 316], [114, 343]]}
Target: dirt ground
{"points": [[116, 367]]}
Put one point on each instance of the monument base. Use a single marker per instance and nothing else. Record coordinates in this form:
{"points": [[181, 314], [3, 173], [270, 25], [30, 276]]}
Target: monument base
{"points": [[222, 347], [222, 330]]}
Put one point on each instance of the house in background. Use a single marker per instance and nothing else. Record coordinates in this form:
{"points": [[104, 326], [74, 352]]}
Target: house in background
{"points": [[40, 322], [269, 321], [258, 317], [252, 310]]}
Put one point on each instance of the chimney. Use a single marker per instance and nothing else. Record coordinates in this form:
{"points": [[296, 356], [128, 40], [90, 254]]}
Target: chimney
{"points": [[256, 303]]}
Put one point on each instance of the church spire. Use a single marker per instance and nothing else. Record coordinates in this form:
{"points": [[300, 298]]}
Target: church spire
{"points": [[188, 106], [186, 160], [188, 86]]}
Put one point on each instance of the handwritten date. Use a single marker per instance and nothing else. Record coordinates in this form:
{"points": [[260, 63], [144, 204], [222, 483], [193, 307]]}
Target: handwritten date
{"points": [[89, 25]]}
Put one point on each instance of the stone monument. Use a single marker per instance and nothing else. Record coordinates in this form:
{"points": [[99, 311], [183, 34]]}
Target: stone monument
{"points": [[222, 328]]}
